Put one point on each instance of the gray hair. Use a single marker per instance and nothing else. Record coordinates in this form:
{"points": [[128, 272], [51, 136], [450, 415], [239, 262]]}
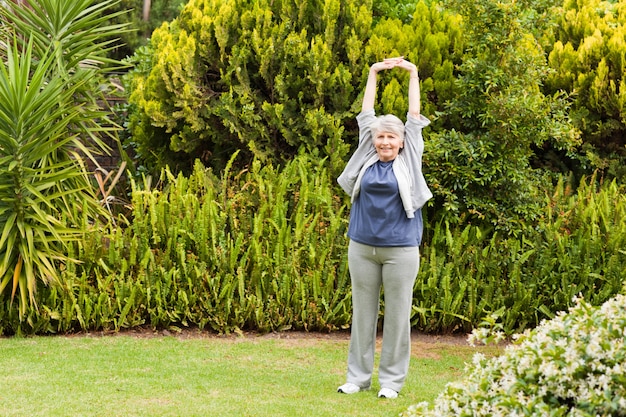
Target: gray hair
{"points": [[388, 123]]}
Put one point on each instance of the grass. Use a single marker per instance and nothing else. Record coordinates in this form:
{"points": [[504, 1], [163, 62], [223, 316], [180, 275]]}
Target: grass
{"points": [[199, 375]]}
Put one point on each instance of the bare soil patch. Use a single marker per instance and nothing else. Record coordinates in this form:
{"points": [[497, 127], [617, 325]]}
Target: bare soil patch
{"points": [[142, 332], [423, 344]]}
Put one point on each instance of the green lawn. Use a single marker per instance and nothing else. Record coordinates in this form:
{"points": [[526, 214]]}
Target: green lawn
{"points": [[277, 375]]}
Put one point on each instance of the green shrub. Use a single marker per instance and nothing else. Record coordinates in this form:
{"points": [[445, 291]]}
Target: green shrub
{"points": [[572, 365], [479, 166], [586, 49], [468, 272], [261, 249], [433, 40], [264, 249], [272, 79], [262, 77]]}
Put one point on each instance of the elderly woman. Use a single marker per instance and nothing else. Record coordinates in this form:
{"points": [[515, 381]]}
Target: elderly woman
{"points": [[387, 188]]}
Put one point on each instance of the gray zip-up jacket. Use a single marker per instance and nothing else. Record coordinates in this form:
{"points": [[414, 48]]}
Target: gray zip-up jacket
{"points": [[407, 167]]}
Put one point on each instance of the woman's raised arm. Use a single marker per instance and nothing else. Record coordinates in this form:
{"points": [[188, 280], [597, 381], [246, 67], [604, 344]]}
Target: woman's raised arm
{"points": [[369, 97], [414, 87]]}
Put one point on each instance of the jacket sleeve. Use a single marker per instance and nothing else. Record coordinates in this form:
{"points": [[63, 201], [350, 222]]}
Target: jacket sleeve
{"points": [[413, 140], [412, 154], [365, 120]]}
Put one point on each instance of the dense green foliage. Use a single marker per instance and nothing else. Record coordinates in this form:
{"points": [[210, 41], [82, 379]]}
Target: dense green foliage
{"points": [[260, 250], [266, 92], [577, 249], [274, 78], [264, 77], [480, 165], [265, 249], [52, 64], [586, 53], [133, 15]]}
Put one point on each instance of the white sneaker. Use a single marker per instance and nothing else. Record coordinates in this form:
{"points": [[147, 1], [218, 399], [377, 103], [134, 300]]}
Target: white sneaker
{"points": [[349, 388], [387, 393]]}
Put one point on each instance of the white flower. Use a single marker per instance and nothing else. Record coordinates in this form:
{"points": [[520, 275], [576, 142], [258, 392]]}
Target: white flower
{"points": [[549, 369], [576, 357]]}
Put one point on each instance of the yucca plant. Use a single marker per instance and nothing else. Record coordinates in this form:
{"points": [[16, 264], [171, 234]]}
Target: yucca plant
{"points": [[76, 31], [79, 36], [51, 77], [39, 180]]}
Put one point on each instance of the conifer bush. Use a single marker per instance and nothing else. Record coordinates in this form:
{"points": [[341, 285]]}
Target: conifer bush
{"points": [[586, 49], [262, 77], [272, 79], [573, 365]]}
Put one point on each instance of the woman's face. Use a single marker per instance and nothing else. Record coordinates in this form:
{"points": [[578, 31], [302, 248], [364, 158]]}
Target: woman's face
{"points": [[387, 145]]}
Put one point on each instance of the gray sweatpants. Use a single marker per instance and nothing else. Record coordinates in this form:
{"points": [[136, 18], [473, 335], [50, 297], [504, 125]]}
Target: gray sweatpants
{"points": [[395, 269]]}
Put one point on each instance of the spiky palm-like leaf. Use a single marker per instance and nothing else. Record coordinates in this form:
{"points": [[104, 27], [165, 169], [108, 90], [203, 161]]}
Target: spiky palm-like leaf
{"points": [[78, 35], [76, 31], [41, 181], [53, 57]]}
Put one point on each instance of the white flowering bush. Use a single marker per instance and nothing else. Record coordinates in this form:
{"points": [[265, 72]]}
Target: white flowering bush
{"points": [[573, 365]]}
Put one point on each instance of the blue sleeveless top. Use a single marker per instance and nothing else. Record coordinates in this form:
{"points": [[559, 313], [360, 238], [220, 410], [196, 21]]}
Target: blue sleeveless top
{"points": [[377, 217]]}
